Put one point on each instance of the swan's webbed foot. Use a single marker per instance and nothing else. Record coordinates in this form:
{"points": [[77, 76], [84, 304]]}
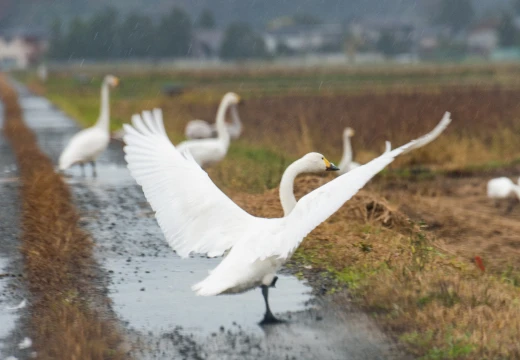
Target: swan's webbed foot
{"points": [[270, 319]]}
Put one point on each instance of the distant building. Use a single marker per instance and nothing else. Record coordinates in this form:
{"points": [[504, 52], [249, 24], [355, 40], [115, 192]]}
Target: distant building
{"points": [[21, 48], [370, 30], [207, 43], [297, 39], [483, 38], [430, 40]]}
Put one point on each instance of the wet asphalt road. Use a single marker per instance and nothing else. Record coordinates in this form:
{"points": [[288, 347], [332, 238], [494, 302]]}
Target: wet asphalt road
{"points": [[13, 295], [150, 286]]}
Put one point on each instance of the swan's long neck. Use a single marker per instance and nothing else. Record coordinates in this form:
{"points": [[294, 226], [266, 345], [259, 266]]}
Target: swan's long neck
{"points": [[237, 124], [287, 197], [104, 115], [222, 132], [347, 153]]}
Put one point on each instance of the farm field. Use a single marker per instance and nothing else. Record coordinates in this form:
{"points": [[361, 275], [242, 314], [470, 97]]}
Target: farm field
{"points": [[405, 246]]}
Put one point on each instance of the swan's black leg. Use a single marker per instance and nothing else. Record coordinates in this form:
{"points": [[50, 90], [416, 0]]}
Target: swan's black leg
{"points": [[94, 172], [269, 318], [82, 169]]}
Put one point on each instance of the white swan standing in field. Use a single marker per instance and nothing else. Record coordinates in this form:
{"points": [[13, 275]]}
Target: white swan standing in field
{"points": [[209, 151], [196, 217], [89, 143], [503, 188], [346, 164], [200, 129]]}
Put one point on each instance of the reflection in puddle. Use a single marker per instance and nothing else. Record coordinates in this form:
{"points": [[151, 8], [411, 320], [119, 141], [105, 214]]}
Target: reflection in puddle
{"points": [[154, 294]]}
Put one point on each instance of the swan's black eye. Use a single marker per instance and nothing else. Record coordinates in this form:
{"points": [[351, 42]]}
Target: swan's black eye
{"points": [[322, 159]]}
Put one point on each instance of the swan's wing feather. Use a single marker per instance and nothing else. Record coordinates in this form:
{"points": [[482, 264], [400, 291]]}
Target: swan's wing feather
{"points": [[194, 215], [315, 207], [432, 135], [157, 114], [388, 146]]}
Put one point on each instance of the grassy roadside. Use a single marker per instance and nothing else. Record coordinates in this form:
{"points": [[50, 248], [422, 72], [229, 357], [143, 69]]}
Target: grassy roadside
{"points": [[57, 254], [439, 305]]}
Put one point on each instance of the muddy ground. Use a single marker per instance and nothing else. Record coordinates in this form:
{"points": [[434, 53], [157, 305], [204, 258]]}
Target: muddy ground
{"points": [[149, 286]]}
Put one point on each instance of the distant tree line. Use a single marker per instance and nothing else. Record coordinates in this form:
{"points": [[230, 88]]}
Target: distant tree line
{"points": [[508, 32], [105, 36]]}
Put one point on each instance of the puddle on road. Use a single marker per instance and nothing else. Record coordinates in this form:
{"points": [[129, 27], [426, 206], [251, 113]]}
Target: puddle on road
{"points": [[135, 253], [154, 295]]}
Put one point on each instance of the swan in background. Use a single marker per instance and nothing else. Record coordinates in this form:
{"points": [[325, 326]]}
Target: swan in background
{"points": [[89, 143], [42, 72], [504, 188], [200, 129], [210, 151], [346, 164], [197, 217]]}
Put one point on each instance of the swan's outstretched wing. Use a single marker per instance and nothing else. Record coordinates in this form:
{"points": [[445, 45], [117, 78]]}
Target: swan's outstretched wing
{"points": [[315, 207], [194, 215], [432, 135]]}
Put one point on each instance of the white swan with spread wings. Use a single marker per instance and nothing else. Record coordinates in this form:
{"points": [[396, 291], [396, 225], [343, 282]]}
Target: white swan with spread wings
{"points": [[197, 217]]}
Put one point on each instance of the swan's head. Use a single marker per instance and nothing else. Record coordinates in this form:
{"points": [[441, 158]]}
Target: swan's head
{"points": [[348, 132], [232, 99], [111, 80], [315, 162]]}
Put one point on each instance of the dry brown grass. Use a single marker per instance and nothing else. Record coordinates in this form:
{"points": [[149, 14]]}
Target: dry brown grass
{"points": [[486, 126], [467, 223], [58, 256]]}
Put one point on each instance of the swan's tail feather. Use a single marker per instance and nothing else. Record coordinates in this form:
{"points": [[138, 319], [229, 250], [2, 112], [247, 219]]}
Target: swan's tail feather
{"points": [[217, 282], [207, 287], [148, 124]]}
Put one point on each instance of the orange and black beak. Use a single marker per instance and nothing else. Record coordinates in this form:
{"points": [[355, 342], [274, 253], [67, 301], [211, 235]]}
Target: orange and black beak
{"points": [[330, 166]]}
